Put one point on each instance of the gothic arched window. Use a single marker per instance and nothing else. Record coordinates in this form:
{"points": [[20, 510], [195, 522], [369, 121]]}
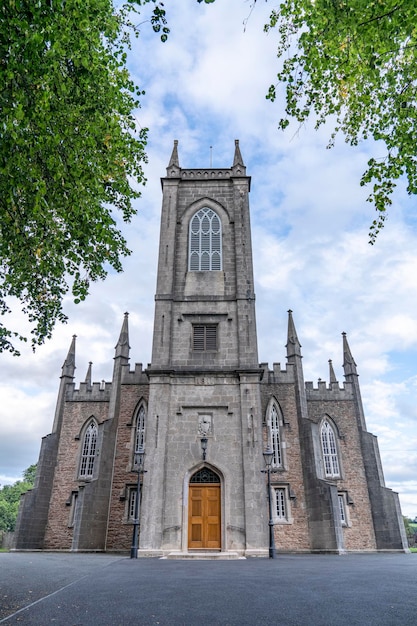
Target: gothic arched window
{"points": [[140, 429], [329, 448], [275, 436], [89, 450], [205, 241]]}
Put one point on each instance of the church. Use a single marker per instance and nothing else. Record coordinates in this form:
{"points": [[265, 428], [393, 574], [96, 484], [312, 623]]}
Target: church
{"points": [[177, 449]]}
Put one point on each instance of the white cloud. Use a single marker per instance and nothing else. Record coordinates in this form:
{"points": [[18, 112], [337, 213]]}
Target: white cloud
{"points": [[310, 221]]}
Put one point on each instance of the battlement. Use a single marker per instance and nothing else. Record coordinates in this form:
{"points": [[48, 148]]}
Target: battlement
{"points": [[97, 392], [134, 377], [206, 173], [332, 391], [277, 375]]}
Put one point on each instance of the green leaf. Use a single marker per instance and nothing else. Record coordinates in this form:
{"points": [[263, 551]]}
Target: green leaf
{"points": [[354, 64], [71, 156]]}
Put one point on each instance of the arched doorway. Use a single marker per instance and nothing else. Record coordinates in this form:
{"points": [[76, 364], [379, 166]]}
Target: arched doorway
{"points": [[204, 511]]}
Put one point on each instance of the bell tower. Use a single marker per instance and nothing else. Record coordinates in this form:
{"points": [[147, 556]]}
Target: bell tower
{"points": [[205, 304], [204, 376]]}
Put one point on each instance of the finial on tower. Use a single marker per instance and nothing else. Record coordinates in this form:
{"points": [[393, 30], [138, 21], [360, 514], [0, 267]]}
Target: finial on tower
{"points": [[293, 345], [238, 156], [68, 369], [349, 364], [174, 156], [88, 376], [333, 378], [122, 348]]}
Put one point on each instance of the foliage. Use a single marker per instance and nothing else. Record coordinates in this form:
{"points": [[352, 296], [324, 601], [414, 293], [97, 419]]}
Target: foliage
{"points": [[410, 529], [71, 152], [353, 63], [407, 522], [10, 498], [29, 474]]}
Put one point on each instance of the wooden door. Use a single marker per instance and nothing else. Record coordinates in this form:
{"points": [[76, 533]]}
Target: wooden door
{"points": [[204, 523]]}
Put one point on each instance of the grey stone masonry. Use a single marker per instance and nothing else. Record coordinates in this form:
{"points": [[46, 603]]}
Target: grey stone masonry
{"points": [[205, 410], [224, 383]]}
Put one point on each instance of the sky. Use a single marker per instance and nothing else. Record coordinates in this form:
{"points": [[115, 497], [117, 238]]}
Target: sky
{"points": [[206, 87]]}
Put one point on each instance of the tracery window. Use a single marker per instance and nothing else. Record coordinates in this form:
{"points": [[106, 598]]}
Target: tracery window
{"points": [[204, 475], [89, 450], [275, 436], [140, 429], [329, 447], [205, 241]]}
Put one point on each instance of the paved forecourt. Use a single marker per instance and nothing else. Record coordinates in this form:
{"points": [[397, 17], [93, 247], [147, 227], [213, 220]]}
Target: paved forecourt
{"points": [[107, 590]]}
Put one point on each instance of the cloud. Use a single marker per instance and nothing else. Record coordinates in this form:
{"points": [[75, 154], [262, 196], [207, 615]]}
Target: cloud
{"points": [[206, 87]]}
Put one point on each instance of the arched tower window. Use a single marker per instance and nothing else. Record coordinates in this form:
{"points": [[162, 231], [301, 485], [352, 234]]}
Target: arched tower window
{"points": [[140, 429], [205, 241], [89, 450], [275, 436], [329, 448]]}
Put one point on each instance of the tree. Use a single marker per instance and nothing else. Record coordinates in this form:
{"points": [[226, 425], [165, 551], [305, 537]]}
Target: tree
{"points": [[71, 153], [353, 64], [29, 474], [10, 498], [410, 530]]}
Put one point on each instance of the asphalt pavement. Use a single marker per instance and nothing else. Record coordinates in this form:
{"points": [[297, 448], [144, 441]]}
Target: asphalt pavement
{"points": [[70, 589]]}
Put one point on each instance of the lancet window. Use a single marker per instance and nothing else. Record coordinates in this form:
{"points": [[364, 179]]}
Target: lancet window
{"points": [[329, 448], [140, 429], [205, 241], [89, 451], [275, 436], [342, 509]]}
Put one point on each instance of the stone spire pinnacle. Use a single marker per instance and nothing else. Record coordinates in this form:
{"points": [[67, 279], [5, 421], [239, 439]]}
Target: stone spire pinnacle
{"points": [[68, 371], [349, 364], [333, 378], [174, 156], [352, 377], [68, 368], [88, 376], [293, 345], [238, 156], [122, 348]]}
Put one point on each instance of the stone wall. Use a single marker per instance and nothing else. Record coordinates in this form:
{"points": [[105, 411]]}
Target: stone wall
{"points": [[59, 532], [294, 536], [359, 534], [119, 533]]}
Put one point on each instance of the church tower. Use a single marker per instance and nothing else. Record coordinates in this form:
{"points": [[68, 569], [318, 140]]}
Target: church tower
{"points": [[203, 413], [203, 488]]}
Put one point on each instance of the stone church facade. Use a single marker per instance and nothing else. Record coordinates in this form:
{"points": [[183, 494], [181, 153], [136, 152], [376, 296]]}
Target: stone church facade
{"points": [[205, 384]]}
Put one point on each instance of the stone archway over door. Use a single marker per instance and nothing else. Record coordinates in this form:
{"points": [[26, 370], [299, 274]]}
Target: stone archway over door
{"points": [[204, 511]]}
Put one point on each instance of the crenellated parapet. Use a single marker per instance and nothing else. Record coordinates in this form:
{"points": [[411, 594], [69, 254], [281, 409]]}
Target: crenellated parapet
{"points": [[206, 174], [328, 392], [97, 392], [277, 375], [135, 377]]}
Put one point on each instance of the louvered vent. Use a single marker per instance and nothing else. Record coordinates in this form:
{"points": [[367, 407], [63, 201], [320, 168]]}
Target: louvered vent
{"points": [[204, 337]]}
